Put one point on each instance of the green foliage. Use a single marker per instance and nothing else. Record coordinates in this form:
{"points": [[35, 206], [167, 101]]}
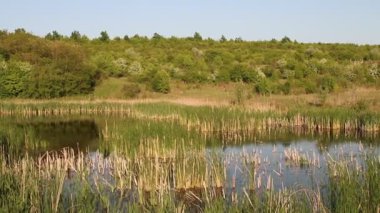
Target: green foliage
{"points": [[104, 36], [76, 36], [197, 36], [157, 36], [40, 69], [161, 82], [310, 87], [308, 67], [285, 88], [264, 87], [353, 191], [223, 39], [286, 40], [15, 79], [50, 36], [327, 84]]}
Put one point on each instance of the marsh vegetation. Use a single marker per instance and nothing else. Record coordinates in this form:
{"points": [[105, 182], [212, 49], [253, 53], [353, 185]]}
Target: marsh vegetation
{"points": [[91, 156]]}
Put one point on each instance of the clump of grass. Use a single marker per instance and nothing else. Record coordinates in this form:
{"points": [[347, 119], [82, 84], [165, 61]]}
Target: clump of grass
{"points": [[354, 187], [295, 157]]}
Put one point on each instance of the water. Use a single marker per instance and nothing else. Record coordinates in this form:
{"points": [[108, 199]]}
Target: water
{"points": [[262, 158]]}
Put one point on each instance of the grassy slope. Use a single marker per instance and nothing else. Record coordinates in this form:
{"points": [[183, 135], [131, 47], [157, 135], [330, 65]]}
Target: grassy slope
{"points": [[224, 94]]}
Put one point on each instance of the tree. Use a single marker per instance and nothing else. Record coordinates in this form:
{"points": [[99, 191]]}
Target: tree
{"points": [[126, 38], [15, 78], [223, 39], [54, 36], [161, 82], [75, 35], [238, 40], [20, 30], [104, 36], [263, 87], [197, 36], [286, 39], [157, 36]]}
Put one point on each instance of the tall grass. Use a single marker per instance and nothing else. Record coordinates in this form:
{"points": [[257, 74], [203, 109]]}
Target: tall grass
{"points": [[168, 180], [205, 119], [354, 186]]}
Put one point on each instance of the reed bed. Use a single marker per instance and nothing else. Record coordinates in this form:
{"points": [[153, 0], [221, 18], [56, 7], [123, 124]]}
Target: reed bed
{"points": [[154, 158], [354, 185], [228, 120], [156, 178]]}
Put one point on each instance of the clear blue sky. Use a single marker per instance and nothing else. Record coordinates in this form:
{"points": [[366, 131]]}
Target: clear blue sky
{"points": [[354, 21]]}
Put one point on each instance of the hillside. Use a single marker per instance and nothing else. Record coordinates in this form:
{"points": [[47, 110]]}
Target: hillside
{"points": [[58, 66]]}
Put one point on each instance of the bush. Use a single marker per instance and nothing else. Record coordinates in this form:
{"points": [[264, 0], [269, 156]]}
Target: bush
{"points": [[161, 82], [285, 88], [239, 95], [327, 84], [310, 87], [14, 79], [131, 90], [361, 106], [264, 87]]}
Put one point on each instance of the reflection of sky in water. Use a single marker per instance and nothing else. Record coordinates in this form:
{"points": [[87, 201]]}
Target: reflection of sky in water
{"points": [[273, 163]]}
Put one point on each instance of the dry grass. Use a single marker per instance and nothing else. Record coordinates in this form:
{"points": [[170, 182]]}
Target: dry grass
{"points": [[223, 94]]}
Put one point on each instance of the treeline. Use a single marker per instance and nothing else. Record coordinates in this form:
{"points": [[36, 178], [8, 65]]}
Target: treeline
{"points": [[57, 65]]}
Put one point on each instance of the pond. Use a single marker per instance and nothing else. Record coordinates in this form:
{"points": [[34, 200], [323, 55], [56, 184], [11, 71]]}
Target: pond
{"points": [[276, 160]]}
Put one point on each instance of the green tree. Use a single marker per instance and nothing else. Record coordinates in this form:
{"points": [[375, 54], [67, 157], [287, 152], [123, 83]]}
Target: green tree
{"points": [[54, 36], [75, 35], [286, 39], [126, 38], [264, 87], [20, 30], [223, 39], [197, 36], [104, 36], [157, 36], [161, 82], [15, 78]]}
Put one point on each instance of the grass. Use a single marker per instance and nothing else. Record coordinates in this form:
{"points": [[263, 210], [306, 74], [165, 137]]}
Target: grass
{"points": [[209, 118], [225, 94], [354, 186]]}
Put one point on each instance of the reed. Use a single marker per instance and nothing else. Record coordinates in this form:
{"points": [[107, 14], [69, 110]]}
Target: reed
{"points": [[161, 179], [354, 185], [229, 120]]}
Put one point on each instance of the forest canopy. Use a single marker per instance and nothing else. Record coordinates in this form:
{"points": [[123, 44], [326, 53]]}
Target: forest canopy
{"points": [[58, 65]]}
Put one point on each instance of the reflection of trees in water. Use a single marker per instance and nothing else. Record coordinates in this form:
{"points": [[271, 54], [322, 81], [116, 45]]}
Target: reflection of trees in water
{"points": [[75, 134], [287, 136], [12, 142], [39, 134], [36, 137]]}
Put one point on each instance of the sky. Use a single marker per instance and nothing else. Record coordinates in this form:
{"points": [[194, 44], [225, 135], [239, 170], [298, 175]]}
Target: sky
{"points": [[331, 21]]}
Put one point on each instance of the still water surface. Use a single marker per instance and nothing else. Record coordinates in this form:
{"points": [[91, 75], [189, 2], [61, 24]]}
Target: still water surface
{"points": [[267, 156]]}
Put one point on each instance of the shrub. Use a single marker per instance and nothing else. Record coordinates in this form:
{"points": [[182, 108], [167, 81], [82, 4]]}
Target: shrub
{"points": [[14, 79], [310, 87], [131, 90], [239, 95], [161, 82], [361, 106], [285, 88], [327, 84], [264, 87]]}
